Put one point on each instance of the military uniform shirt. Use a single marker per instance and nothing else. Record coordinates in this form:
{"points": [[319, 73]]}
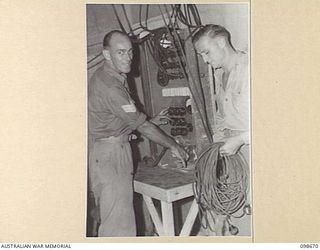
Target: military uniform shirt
{"points": [[233, 99], [111, 110]]}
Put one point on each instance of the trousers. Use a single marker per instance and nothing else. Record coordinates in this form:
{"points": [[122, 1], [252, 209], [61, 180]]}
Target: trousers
{"points": [[111, 178]]}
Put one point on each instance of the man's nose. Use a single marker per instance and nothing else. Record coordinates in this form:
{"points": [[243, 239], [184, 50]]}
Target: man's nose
{"points": [[128, 56]]}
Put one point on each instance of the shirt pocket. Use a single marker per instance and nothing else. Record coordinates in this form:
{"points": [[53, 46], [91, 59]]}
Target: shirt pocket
{"points": [[236, 100]]}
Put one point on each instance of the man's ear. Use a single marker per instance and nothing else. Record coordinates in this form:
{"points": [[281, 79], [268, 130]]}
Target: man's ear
{"points": [[221, 42], [106, 54]]}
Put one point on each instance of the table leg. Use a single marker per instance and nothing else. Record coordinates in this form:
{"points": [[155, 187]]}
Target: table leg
{"points": [[187, 226], [154, 214], [167, 218]]}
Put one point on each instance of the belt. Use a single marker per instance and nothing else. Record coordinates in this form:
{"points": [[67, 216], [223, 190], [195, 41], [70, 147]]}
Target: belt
{"points": [[114, 139]]}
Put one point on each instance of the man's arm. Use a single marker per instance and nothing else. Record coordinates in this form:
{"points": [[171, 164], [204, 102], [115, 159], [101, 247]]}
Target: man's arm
{"points": [[233, 144], [162, 118], [153, 133]]}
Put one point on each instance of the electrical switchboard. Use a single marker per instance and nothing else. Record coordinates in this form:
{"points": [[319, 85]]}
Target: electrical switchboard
{"points": [[166, 87]]}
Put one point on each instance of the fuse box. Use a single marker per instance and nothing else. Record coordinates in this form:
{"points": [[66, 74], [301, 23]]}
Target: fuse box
{"points": [[166, 87]]}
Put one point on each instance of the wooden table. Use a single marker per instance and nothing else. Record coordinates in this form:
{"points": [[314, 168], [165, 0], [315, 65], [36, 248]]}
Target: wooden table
{"points": [[168, 186]]}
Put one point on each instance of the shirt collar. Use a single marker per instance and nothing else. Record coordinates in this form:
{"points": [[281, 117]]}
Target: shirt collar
{"points": [[240, 58], [122, 77]]}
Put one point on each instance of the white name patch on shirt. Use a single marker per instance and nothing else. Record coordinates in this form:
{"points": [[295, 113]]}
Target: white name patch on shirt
{"points": [[129, 108]]}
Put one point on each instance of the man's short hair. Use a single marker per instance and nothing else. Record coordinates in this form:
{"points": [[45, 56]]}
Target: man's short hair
{"points": [[212, 30], [107, 38]]}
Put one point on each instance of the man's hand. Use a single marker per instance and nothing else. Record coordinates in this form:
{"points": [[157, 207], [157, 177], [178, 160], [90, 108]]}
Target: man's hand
{"points": [[180, 153], [162, 118], [152, 132], [231, 146]]}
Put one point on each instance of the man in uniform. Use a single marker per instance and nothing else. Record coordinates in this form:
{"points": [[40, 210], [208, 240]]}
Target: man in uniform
{"points": [[112, 117], [213, 43]]}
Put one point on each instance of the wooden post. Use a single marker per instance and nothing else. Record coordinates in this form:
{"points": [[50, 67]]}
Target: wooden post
{"points": [[154, 214], [167, 218], [194, 209]]}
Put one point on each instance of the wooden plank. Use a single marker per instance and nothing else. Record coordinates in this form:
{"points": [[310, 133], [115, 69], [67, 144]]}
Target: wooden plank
{"points": [[163, 178], [170, 195], [150, 190], [179, 193], [167, 218], [187, 226], [166, 186], [154, 214]]}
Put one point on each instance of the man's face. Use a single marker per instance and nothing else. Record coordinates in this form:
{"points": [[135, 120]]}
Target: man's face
{"points": [[120, 52], [211, 51]]}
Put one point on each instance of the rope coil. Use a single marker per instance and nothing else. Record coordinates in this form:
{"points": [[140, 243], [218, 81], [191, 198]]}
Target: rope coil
{"points": [[221, 184]]}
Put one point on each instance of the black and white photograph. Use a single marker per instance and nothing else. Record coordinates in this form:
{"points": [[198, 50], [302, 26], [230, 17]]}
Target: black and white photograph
{"points": [[147, 123], [168, 120]]}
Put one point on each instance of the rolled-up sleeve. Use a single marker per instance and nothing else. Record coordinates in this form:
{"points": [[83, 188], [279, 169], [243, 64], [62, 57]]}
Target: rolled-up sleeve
{"points": [[123, 107]]}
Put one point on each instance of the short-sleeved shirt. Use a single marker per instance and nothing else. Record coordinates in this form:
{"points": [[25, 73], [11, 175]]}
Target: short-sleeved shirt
{"points": [[233, 98], [111, 110]]}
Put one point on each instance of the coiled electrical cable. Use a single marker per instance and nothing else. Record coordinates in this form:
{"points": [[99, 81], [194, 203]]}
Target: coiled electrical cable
{"points": [[221, 184]]}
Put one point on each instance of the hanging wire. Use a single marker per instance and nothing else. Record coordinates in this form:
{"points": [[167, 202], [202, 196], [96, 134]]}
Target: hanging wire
{"points": [[155, 54], [118, 18], [133, 37], [90, 67], [140, 17], [127, 19], [94, 58], [94, 44], [184, 16], [186, 71]]}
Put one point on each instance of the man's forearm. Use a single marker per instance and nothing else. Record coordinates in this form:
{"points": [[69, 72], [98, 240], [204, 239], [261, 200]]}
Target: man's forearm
{"points": [[155, 134]]}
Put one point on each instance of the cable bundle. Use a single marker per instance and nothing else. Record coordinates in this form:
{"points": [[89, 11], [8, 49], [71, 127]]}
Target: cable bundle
{"points": [[160, 54], [185, 13], [221, 183]]}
